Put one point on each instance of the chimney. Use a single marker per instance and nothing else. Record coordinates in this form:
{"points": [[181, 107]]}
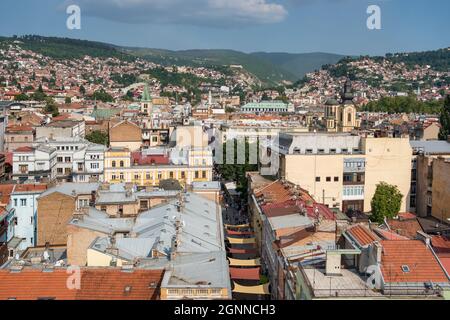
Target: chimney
{"points": [[378, 252], [333, 263]]}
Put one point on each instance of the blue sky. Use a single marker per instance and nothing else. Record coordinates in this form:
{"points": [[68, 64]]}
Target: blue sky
{"points": [[336, 26]]}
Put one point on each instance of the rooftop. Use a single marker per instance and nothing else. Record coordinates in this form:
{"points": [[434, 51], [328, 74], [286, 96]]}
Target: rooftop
{"points": [[422, 265], [95, 284]]}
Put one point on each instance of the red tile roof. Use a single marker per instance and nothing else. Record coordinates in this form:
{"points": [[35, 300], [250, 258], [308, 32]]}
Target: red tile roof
{"points": [[30, 187], [362, 235], [24, 149], [274, 192], [95, 284], [422, 264], [5, 193], [441, 245], [407, 228], [407, 216], [389, 235], [138, 159]]}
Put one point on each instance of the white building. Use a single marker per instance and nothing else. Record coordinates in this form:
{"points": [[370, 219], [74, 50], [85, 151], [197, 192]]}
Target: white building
{"points": [[65, 159], [23, 201]]}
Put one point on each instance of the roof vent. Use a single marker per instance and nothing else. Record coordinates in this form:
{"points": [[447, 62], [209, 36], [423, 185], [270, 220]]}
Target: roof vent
{"points": [[405, 269]]}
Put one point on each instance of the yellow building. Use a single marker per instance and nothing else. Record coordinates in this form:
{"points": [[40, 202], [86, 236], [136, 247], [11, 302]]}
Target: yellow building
{"points": [[184, 165], [343, 170]]}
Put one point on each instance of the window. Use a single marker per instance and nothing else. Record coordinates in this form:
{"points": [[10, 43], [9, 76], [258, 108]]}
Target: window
{"points": [[122, 164], [336, 179], [328, 179], [121, 176], [95, 165], [317, 179], [15, 202], [113, 164], [67, 159], [197, 174], [183, 175], [171, 174], [113, 177], [321, 151], [332, 151], [309, 151], [148, 176], [159, 175], [136, 177], [203, 174], [23, 202], [344, 150], [59, 170]]}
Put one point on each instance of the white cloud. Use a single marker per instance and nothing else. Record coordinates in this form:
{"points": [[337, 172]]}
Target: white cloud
{"points": [[217, 13]]}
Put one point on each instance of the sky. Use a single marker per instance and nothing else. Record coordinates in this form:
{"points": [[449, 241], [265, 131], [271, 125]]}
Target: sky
{"points": [[295, 26]]}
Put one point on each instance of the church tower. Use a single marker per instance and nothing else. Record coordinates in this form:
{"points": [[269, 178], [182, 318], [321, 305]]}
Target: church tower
{"points": [[347, 110], [146, 102]]}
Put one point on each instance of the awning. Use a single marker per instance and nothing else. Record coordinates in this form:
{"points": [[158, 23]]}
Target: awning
{"points": [[244, 274], [239, 226], [244, 263], [261, 289], [242, 251], [240, 233], [242, 240]]}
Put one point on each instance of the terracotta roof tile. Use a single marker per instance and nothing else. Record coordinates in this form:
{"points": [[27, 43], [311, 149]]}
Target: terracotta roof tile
{"points": [[407, 228], [362, 235], [422, 264], [95, 284]]}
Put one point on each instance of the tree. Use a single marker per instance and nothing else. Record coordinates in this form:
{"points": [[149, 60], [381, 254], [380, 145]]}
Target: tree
{"points": [[98, 137], [39, 94], [445, 119], [102, 95], [82, 90], [386, 202], [237, 172], [51, 107], [68, 100], [22, 97]]}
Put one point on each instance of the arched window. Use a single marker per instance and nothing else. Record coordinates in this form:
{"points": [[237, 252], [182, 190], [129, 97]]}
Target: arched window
{"points": [[349, 117], [121, 164]]}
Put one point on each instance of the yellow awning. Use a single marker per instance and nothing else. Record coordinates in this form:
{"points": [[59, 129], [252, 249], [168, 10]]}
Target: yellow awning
{"points": [[242, 240], [261, 289], [244, 263], [228, 226]]}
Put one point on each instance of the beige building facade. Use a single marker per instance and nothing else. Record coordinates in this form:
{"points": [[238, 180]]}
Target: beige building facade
{"points": [[342, 171]]}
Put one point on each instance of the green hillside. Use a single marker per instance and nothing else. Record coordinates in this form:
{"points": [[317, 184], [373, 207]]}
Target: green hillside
{"points": [[261, 68], [299, 64]]}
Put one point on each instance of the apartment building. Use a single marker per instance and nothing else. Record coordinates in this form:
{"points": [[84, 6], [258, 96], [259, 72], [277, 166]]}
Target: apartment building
{"points": [[64, 159], [35, 164], [56, 207], [341, 170], [150, 167], [424, 173], [18, 137], [62, 128], [24, 201]]}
